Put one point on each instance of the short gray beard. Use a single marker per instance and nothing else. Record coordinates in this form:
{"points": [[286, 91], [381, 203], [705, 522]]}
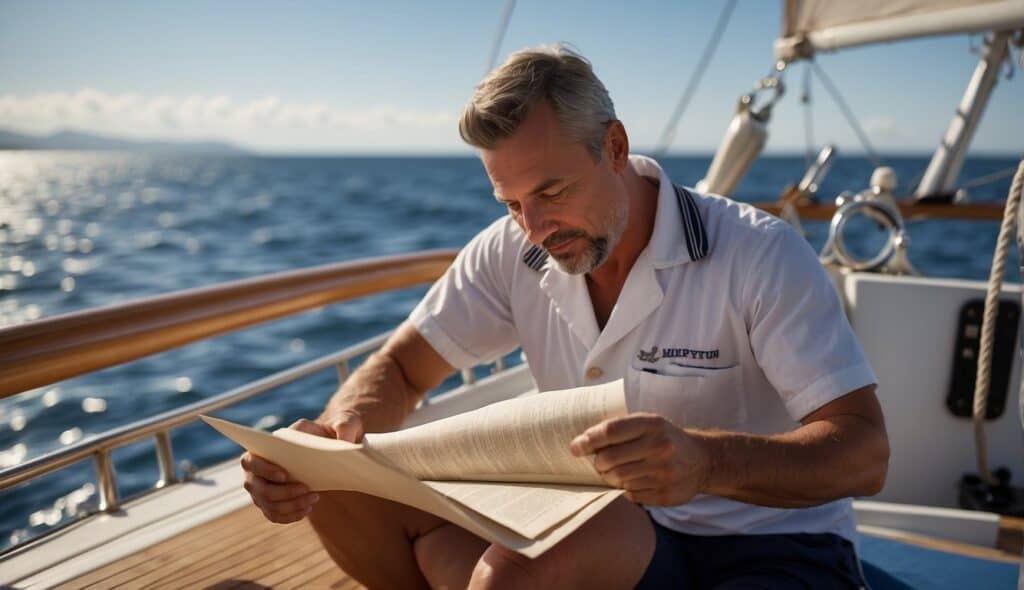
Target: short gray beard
{"points": [[595, 253], [596, 250]]}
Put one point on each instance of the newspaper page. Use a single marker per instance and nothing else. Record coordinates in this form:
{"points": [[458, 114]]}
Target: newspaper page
{"points": [[523, 515], [524, 439]]}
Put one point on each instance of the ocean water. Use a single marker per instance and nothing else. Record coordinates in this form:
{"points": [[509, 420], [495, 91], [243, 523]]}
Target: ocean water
{"points": [[80, 230]]}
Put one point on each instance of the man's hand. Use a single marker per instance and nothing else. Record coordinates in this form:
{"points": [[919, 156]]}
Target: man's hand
{"points": [[656, 462], [282, 499]]}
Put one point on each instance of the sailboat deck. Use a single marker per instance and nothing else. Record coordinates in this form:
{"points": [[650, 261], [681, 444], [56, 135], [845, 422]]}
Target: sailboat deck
{"points": [[243, 550], [238, 550]]}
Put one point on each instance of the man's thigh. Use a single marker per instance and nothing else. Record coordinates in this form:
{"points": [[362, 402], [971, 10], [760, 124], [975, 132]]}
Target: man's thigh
{"points": [[734, 562], [789, 561]]}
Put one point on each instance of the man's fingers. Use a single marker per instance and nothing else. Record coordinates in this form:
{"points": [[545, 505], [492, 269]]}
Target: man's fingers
{"points": [[272, 492], [622, 475], [618, 454], [282, 501], [262, 468], [650, 497], [276, 499], [613, 431], [298, 504], [640, 484], [311, 427], [287, 517], [348, 427]]}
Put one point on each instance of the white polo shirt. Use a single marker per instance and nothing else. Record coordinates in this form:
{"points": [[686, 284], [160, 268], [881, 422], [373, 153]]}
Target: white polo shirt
{"points": [[727, 320]]}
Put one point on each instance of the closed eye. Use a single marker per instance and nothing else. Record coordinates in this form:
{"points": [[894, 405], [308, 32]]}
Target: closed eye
{"points": [[552, 196]]}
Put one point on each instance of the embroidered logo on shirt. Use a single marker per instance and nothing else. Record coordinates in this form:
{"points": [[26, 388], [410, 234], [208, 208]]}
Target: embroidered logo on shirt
{"points": [[652, 355]]}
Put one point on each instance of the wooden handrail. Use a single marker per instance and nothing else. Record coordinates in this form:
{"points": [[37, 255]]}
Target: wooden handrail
{"points": [[42, 352]]}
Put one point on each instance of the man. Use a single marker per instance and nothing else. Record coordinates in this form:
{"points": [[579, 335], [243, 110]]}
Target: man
{"points": [[754, 414]]}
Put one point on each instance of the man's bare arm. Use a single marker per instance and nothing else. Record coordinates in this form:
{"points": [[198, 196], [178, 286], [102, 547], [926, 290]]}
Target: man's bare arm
{"points": [[376, 397], [387, 387], [841, 450]]}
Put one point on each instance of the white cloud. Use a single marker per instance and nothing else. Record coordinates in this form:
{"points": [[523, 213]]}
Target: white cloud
{"points": [[883, 127], [199, 115]]}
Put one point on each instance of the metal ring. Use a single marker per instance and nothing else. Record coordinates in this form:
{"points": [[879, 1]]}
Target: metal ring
{"points": [[877, 211]]}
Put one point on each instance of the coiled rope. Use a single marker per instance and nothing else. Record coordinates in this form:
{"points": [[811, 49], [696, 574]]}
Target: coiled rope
{"points": [[988, 324]]}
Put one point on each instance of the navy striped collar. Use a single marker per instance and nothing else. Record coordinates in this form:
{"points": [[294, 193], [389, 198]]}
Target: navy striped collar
{"points": [[535, 257], [680, 227], [695, 235]]}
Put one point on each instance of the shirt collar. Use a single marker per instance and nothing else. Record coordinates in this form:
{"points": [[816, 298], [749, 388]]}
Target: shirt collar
{"points": [[680, 234]]}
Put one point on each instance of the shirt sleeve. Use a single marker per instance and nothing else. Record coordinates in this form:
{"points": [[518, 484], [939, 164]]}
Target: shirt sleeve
{"points": [[799, 332], [466, 315]]}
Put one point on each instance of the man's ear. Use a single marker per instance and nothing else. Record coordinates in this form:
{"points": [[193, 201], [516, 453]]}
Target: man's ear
{"points": [[616, 146]]}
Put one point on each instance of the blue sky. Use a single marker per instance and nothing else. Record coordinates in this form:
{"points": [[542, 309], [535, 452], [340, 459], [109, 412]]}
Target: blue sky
{"points": [[392, 76]]}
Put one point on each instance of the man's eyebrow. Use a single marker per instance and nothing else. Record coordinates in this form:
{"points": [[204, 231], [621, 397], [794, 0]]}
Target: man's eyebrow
{"points": [[543, 186]]}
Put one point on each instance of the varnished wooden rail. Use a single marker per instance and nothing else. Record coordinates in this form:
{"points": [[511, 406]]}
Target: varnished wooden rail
{"points": [[42, 352]]}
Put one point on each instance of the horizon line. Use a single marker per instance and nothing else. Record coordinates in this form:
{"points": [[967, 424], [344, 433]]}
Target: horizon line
{"points": [[398, 153]]}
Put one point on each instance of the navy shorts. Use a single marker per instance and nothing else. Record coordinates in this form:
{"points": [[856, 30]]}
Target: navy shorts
{"points": [[784, 561]]}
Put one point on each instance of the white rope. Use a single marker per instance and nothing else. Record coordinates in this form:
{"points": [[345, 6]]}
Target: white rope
{"points": [[988, 325]]}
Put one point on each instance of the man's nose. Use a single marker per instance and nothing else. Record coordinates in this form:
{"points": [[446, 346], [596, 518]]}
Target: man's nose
{"points": [[536, 223]]}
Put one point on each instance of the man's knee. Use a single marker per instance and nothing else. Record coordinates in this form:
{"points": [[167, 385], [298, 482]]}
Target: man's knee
{"points": [[371, 539], [336, 506], [499, 567], [347, 523], [609, 551]]}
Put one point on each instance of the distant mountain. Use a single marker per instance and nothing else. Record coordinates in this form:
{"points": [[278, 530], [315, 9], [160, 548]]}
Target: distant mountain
{"points": [[77, 140]]}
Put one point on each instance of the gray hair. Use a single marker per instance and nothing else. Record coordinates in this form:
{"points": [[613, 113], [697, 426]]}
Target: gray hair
{"points": [[557, 74]]}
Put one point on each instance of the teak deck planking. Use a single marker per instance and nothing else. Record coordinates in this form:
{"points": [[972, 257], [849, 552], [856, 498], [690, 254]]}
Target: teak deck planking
{"points": [[238, 550], [243, 550]]}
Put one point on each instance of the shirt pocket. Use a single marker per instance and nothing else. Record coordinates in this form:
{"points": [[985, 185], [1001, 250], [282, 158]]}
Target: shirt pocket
{"points": [[689, 397]]}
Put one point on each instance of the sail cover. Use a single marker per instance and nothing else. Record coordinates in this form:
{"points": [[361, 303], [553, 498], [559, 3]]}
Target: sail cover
{"points": [[811, 26]]}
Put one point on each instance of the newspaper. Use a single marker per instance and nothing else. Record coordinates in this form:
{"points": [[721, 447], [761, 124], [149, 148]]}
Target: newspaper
{"points": [[503, 472]]}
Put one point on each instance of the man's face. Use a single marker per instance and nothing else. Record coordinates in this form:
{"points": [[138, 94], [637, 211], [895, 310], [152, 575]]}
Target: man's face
{"points": [[574, 208]]}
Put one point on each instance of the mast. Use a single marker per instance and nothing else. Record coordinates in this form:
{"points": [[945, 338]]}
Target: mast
{"points": [[948, 159], [810, 27]]}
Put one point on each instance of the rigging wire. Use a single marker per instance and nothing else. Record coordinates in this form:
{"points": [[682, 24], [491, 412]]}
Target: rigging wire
{"points": [[847, 113], [499, 35], [669, 133], [805, 99], [989, 178]]}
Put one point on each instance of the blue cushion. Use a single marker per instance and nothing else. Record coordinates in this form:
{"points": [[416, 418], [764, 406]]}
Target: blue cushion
{"points": [[891, 565]]}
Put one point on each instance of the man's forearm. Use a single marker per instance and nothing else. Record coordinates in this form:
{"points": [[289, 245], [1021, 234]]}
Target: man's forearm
{"points": [[378, 391], [816, 463], [386, 388]]}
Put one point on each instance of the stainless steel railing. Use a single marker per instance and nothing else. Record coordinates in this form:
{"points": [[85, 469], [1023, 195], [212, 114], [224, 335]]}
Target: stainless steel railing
{"points": [[49, 350], [159, 427]]}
